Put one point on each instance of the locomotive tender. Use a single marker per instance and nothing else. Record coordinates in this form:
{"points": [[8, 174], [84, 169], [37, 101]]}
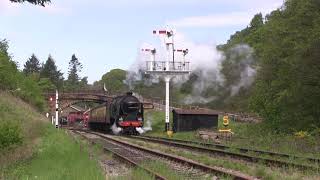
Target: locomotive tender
{"points": [[123, 114]]}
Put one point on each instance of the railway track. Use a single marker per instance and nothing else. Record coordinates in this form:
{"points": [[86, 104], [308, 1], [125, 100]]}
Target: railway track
{"points": [[242, 150], [118, 151], [222, 150], [129, 152]]}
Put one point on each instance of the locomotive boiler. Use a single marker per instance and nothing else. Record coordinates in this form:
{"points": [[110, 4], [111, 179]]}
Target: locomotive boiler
{"points": [[124, 114]]}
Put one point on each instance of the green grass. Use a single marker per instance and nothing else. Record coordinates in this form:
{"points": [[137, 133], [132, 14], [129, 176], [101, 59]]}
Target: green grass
{"points": [[24, 123], [40, 151], [257, 170], [57, 157], [247, 135], [157, 119], [163, 169]]}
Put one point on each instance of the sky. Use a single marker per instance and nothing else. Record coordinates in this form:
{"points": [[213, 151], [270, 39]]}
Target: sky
{"points": [[109, 34]]}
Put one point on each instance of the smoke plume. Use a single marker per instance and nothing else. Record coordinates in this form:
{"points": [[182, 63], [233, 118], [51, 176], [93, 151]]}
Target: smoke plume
{"points": [[206, 63]]}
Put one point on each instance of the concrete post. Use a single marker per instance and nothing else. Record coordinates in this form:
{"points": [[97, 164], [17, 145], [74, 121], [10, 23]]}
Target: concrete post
{"points": [[167, 126]]}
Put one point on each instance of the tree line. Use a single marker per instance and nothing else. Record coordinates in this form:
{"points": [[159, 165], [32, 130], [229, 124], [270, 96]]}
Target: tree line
{"points": [[37, 77], [50, 78], [48, 75], [286, 57], [285, 92]]}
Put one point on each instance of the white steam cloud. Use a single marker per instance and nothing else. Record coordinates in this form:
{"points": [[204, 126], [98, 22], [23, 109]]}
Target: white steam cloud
{"points": [[245, 66], [115, 129], [147, 127], [206, 63]]}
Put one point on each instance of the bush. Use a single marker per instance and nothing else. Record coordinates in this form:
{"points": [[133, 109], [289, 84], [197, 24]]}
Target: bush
{"points": [[10, 134], [11, 79]]}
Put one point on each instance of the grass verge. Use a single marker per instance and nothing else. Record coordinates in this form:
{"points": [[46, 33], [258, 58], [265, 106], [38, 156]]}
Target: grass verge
{"points": [[247, 135], [31, 149], [57, 157]]}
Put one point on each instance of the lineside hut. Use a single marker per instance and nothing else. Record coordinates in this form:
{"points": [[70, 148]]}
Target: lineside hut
{"points": [[190, 120]]}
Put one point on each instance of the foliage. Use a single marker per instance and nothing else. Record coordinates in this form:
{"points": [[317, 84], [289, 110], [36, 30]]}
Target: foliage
{"points": [[287, 91], [50, 71], [10, 134], [74, 82], [8, 71], [74, 68], [114, 81], [36, 2], [46, 85], [20, 125], [11, 79], [32, 65]]}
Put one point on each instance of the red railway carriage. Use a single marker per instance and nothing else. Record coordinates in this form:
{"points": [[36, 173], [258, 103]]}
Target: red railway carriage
{"points": [[79, 118], [85, 119]]}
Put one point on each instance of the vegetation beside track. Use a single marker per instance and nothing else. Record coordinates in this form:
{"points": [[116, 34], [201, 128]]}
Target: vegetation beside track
{"points": [[21, 127], [248, 135], [254, 169], [38, 150]]}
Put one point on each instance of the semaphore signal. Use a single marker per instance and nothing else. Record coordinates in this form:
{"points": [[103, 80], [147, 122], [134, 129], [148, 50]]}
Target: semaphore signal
{"points": [[167, 68]]}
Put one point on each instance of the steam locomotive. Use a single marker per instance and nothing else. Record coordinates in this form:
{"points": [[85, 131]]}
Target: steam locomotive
{"points": [[124, 114]]}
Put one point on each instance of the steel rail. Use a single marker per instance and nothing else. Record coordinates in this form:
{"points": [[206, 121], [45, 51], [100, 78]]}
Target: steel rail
{"points": [[124, 158], [213, 169], [186, 145], [243, 150]]}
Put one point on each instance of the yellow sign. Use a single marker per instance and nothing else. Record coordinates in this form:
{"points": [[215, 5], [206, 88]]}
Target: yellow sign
{"points": [[226, 131], [170, 133], [225, 120]]}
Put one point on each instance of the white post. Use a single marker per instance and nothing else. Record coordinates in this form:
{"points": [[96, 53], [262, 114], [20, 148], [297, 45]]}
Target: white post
{"points": [[167, 127], [52, 121], [57, 112], [168, 57], [153, 59]]}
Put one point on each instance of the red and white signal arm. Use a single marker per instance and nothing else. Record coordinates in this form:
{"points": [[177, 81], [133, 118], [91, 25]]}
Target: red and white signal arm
{"points": [[160, 32]]}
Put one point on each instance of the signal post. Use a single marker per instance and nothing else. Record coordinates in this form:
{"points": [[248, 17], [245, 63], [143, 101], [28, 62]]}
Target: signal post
{"points": [[168, 68]]}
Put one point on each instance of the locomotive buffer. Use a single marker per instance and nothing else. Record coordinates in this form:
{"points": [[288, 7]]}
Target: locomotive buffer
{"points": [[168, 68]]}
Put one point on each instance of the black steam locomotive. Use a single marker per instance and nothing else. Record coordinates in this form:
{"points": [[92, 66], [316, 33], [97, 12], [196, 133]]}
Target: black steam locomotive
{"points": [[124, 114]]}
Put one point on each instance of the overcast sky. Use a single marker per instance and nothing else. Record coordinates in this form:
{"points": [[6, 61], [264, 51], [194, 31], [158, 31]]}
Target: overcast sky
{"points": [[105, 35]]}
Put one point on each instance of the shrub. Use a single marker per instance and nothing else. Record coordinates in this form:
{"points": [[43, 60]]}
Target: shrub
{"points": [[10, 134]]}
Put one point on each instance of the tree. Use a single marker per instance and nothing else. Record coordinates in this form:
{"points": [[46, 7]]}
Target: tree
{"points": [[286, 93], [49, 70], [36, 2], [84, 83], [13, 80], [74, 68], [46, 85], [114, 81], [32, 65], [257, 21], [4, 46]]}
